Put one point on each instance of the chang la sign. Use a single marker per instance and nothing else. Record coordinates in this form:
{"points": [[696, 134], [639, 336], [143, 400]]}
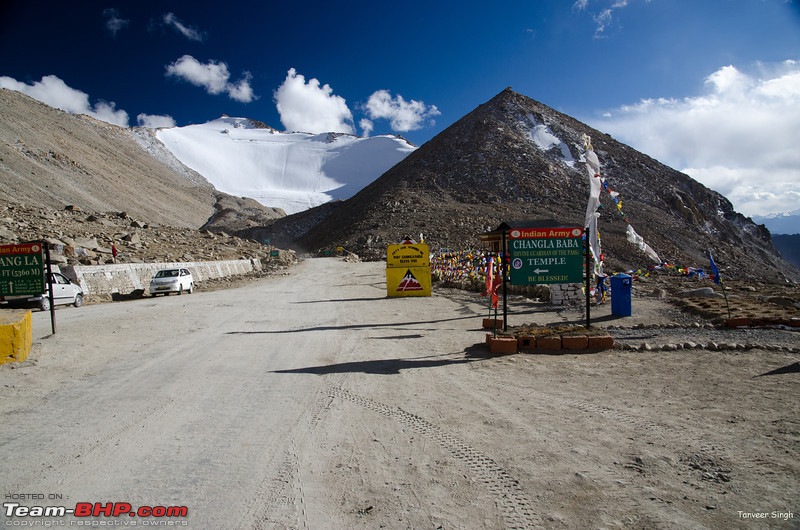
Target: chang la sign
{"points": [[21, 269]]}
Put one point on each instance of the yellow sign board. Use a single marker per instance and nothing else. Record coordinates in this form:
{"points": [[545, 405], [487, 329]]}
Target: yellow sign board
{"points": [[408, 281], [408, 255]]}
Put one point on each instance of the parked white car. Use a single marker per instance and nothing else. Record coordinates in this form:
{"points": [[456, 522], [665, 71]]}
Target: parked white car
{"points": [[172, 281], [64, 292]]}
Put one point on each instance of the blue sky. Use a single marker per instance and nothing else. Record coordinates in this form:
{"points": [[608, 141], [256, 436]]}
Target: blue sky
{"points": [[709, 87]]}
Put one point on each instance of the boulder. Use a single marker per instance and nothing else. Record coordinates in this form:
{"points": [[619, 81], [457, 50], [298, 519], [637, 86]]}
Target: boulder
{"points": [[702, 292]]}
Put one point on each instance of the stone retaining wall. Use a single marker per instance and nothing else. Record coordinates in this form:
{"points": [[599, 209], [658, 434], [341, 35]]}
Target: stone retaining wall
{"points": [[126, 278], [566, 294]]}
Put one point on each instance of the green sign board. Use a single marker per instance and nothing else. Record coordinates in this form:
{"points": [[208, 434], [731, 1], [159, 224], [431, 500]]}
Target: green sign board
{"points": [[21, 269], [546, 255]]}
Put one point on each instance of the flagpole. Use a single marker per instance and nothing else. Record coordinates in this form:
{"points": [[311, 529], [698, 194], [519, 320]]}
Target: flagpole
{"points": [[722, 284], [589, 278], [504, 272], [489, 316], [718, 279], [490, 291]]}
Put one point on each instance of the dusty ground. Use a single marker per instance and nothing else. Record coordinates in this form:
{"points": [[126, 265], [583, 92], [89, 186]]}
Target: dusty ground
{"points": [[313, 401]]}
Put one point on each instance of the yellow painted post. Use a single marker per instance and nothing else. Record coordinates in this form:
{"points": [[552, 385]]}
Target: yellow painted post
{"points": [[15, 335]]}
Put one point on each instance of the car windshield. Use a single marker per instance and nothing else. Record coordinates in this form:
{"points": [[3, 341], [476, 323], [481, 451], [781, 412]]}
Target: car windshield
{"points": [[167, 273]]}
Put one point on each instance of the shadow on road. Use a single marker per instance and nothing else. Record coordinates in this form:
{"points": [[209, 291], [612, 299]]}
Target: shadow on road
{"points": [[400, 337], [475, 353], [793, 368], [593, 319], [395, 325], [364, 299]]}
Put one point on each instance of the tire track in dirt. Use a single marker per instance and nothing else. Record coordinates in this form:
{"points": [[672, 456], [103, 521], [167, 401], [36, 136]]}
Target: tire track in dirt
{"points": [[513, 502], [280, 498]]}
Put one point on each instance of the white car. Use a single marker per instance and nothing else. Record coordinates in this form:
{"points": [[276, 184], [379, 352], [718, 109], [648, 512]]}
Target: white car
{"points": [[64, 292], [172, 281]]}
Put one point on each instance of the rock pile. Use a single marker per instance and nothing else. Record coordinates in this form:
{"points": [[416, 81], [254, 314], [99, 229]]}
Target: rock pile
{"points": [[77, 237]]}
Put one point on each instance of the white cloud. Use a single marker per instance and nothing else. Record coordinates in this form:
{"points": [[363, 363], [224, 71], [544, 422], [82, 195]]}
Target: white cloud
{"points": [[602, 20], [213, 76], [113, 21], [242, 91], [309, 107], [738, 138], [403, 115], [366, 126], [605, 15], [187, 31], [52, 91], [155, 121]]}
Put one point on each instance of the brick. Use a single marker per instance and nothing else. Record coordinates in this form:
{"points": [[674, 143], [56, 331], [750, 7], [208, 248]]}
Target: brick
{"points": [[738, 322], [526, 343], [492, 323], [574, 342], [601, 342], [548, 342], [503, 345]]}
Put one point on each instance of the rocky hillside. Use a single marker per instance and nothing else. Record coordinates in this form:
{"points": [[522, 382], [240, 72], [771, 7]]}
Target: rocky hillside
{"points": [[51, 159], [489, 167], [78, 236], [84, 185]]}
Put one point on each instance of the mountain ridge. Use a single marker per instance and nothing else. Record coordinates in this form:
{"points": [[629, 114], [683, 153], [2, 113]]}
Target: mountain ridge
{"points": [[784, 223], [54, 159], [487, 168], [511, 158]]}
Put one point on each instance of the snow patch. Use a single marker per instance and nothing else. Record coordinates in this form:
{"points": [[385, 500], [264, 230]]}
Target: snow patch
{"points": [[545, 140], [293, 171]]}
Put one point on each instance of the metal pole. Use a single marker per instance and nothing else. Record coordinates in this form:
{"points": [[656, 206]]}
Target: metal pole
{"points": [[505, 286], [49, 286], [588, 280]]}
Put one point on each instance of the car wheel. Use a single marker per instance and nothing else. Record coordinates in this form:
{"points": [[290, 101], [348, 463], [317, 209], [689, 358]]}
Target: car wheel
{"points": [[44, 304], [180, 289], [78, 300], [190, 290]]}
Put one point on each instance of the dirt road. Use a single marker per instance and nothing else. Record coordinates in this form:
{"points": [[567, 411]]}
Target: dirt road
{"points": [[313, 401]]}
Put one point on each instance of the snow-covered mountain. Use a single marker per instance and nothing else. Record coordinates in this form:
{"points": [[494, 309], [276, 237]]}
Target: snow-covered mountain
{"points": [[293, 171], [781, 223]]}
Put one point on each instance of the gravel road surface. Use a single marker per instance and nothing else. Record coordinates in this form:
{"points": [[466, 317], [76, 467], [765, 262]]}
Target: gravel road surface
{"points": [[314, 401]]}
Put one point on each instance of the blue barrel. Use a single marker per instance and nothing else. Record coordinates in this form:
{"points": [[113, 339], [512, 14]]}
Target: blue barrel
{"points": [[621, 286]]}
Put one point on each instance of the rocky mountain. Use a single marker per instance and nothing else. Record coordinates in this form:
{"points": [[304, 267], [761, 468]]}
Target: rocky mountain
{"points": [[785, 223], [52, 159], [84, 185], [514, 158]]}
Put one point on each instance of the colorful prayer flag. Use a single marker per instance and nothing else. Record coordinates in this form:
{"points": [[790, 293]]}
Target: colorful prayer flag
{"points": [[714, 269]]}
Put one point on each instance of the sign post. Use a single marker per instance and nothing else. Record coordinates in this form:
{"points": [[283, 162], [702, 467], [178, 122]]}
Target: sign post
{"points": [[408, 270], [21, 269], [22, 272], [546, 255]]}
